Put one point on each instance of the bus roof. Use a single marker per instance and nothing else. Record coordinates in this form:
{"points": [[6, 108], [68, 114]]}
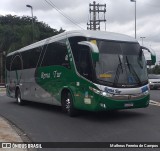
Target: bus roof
{"points": [[102, 35], [85, 33]]}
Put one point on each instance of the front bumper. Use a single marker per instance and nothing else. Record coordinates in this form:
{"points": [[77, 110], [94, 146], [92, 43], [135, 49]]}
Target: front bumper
{"points": [[104, 103]]}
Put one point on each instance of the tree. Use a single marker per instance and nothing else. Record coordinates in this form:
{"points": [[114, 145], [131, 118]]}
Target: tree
{"points": [[154, 70], [16, 32]]}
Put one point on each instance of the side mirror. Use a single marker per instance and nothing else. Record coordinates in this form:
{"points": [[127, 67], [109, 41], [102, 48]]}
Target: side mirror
{"points": [[94, 49], [153, 55], [153, 58]]}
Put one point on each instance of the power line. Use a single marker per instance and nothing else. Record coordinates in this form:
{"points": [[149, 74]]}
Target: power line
{"points": [[64, 15]]}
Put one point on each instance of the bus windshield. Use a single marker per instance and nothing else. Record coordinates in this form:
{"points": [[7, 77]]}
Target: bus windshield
{"points": [[121, 64]]}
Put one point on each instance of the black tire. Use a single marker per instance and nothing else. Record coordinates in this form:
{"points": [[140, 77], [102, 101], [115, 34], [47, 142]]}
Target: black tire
{"points": [[67, 104], [18, 97]]}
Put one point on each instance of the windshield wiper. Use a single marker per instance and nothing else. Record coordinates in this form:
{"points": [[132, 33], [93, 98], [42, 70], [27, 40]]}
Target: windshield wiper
{"points": [[118, 71], [120, 63], [132, 71], [139, 59]]}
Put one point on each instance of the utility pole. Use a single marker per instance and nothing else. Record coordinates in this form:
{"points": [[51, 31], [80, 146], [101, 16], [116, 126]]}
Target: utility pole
{"points": [[95, 10]]}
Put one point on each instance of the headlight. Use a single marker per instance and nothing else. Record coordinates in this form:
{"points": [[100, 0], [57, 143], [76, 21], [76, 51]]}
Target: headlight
{"points": [[95, 90], [101, 92]]}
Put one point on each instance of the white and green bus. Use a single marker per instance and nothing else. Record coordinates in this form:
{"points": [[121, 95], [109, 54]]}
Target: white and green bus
{"points": [[80, 70]]}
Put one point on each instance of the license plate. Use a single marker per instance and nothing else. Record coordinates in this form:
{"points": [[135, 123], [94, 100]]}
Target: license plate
{"points": [[128, 105]]}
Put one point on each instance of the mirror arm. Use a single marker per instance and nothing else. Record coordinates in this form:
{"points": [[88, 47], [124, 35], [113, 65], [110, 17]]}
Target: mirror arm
{"points": [[93, 47], [146, 49], [153, 55]]}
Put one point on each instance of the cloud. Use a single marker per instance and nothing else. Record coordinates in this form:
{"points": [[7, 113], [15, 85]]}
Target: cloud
{"points": [[120, 15], [20, 5]]}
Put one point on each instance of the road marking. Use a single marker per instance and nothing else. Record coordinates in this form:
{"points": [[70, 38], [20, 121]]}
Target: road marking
{"points": [[154, 103]]}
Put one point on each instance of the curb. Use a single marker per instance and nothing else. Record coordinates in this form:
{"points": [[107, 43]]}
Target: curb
{"points": [[8, 134], [2, 89]]}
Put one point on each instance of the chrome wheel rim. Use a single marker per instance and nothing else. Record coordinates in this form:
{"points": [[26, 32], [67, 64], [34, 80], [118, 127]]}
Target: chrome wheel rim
{"points": [[18, 99], [68, 105]]}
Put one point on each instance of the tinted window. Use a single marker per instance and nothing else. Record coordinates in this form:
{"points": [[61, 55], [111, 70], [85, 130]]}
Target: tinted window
{"points": [[16, 63], [84, 63], [56, 54], [82, 57], [30, 58], [115, 47], [75, 47], [8, 62], [109, 47], [130, 48], [121, 63]]}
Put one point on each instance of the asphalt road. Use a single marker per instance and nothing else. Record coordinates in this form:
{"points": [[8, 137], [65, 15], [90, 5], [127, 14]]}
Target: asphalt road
{"points": [[46, 123], [155, 95]]}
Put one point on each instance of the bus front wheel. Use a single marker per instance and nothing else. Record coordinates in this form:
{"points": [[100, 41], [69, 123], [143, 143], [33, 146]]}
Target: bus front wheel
{"points": [[67, 104]]}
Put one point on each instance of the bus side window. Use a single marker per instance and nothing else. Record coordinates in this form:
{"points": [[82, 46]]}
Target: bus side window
{"points": [[16, 63], [82, 57], [84, 62], [30, 58], [56, 54], [8, 62]]}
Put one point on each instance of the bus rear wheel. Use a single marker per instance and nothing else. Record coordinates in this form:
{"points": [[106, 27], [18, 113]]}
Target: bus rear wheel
{"points": [[18, 97], [67, 104]]}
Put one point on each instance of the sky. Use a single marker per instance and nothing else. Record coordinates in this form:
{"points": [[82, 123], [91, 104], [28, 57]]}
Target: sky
{"points": [[120, 16]]}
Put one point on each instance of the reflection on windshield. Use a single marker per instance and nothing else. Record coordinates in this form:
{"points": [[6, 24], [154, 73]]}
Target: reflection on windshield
{"points": [[133, 72], [121, 64], [118, 70]]}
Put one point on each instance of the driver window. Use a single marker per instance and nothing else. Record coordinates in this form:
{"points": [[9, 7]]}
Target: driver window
{"points": [[84, 62], [82, 57]]}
